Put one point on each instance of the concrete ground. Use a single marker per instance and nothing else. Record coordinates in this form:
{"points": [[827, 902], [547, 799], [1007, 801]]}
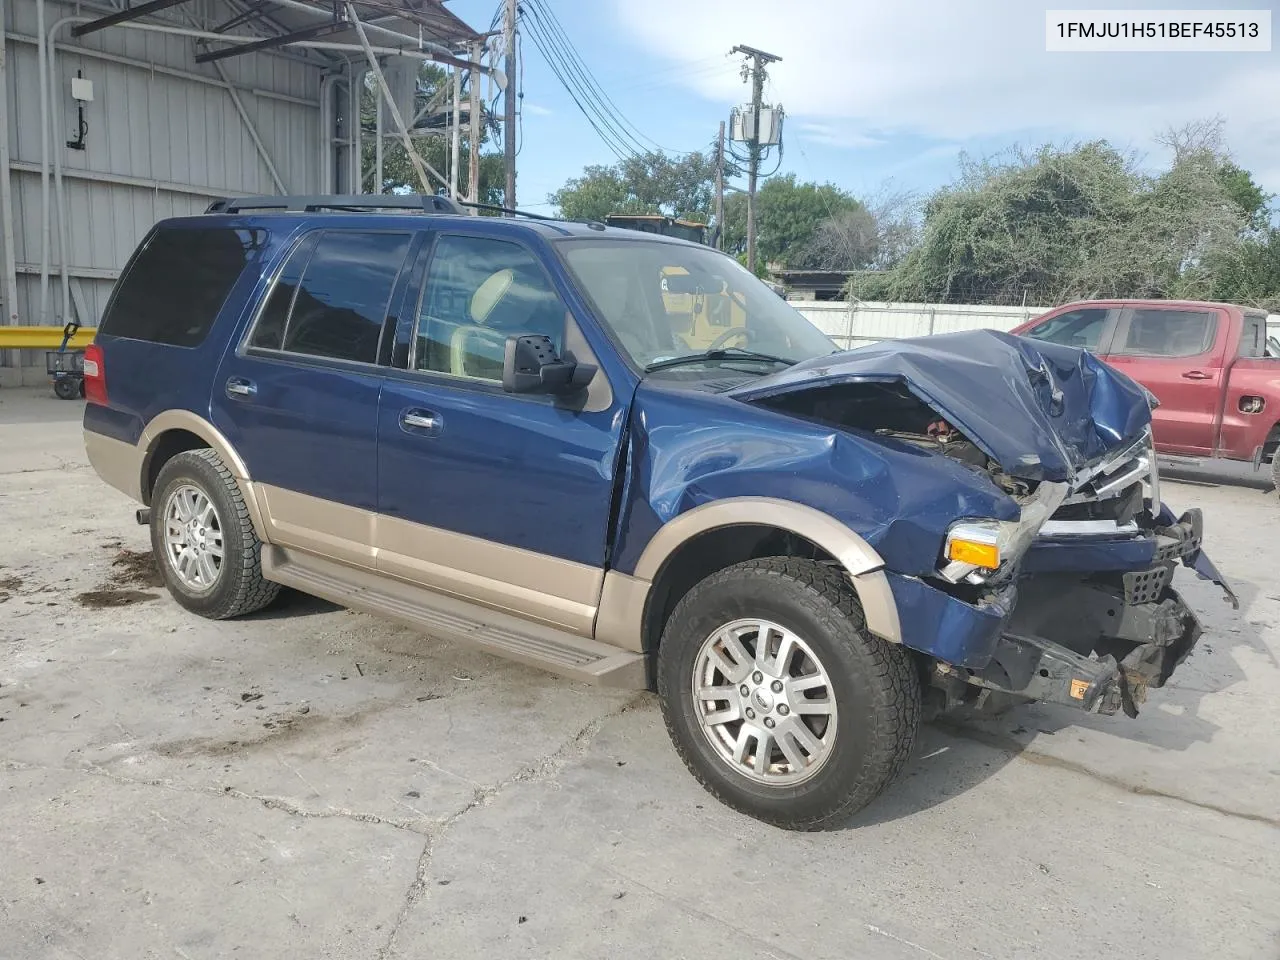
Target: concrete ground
{"points": [[311, 782]]}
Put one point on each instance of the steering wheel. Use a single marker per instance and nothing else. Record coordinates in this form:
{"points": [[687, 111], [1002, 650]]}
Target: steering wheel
{"points": [[746, 333]]}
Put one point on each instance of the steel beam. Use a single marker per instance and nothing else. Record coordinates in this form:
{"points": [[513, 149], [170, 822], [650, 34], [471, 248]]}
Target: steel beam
{"points": [[123, 16], [252, 13], [309, 33], [42, 338]]}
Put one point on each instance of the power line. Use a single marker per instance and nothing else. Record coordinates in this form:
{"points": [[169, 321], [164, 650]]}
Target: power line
{"points": [[588, 78], [602, 119], [619, 134], [617, 145]]}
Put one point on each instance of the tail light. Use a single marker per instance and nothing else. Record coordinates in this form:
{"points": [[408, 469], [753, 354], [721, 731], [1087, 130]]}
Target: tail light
{"points": [[95, 376]]}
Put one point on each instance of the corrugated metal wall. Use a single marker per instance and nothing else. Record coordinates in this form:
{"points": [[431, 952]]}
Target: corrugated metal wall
{"points": [[164, 138]]}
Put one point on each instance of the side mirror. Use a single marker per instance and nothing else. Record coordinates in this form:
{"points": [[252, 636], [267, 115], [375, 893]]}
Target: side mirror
{"points": [[530, 364]]}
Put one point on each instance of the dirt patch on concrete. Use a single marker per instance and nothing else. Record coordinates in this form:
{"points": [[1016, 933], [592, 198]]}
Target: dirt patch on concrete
{"points": [[136, 568], [278, 729], [100, 599]]}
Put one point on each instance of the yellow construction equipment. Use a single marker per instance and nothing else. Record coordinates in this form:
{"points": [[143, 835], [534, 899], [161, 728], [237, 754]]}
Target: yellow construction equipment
{"points": [[43, 338]]}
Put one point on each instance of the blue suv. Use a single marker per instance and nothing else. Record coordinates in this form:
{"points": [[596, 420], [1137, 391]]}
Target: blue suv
{"points": [[623, 458]]}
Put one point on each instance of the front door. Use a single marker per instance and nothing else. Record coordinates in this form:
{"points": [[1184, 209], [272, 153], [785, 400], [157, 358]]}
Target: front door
{"points": [[298, 399], [498, 498], [1177, 354]]}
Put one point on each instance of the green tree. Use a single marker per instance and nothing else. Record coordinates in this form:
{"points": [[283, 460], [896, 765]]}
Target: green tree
{"points": [[650, 183], [1246, 194], [1080, 221], [1252, 276], [789, 218]]}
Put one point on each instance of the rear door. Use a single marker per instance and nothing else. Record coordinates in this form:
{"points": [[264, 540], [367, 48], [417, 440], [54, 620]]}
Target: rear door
{"points": [[298, 396], [499, 498], [1178, 354]]}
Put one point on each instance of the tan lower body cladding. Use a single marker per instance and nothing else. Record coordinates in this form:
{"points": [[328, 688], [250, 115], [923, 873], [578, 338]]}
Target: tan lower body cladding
{"points": [[569, 617], [545, 589]]}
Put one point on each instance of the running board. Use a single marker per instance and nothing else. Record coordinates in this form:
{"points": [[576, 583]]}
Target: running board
{"points": [[534, 644]]}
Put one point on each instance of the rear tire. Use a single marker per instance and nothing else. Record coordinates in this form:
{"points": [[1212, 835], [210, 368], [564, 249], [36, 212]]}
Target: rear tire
{"points": [[861, 720], [65, 388], [203, 538]]}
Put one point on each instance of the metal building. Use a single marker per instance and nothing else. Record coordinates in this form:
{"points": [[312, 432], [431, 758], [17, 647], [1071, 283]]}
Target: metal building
{"points": [[114, 117]]}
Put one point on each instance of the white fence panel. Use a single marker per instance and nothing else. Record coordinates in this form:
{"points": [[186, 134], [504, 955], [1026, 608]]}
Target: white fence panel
{"points": [[855, 324], [860, 323]]}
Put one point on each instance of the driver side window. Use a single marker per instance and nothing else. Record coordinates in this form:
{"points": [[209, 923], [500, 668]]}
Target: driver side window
{"points": [[1075, 328], [479, 291]]}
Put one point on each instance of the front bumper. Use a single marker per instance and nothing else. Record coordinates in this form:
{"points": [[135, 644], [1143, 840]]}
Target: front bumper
{"points": [[1095, 629]]}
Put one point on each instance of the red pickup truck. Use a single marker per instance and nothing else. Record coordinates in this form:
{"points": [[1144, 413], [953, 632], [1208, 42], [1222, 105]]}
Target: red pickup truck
{"points": [[1212, 366]]}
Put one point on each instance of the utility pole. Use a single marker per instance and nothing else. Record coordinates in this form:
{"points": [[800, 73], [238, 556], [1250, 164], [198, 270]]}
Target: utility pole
{"points": [[457, 132], [476, 125], [758, 59], [509, 102], [720, 188]]}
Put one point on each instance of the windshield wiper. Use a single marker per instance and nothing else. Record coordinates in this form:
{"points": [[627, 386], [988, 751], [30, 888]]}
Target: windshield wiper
{"points": [[724, 353]]}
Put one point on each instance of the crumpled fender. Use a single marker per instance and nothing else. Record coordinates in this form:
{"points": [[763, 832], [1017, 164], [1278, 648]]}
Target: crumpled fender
{"points": [[688, 448]]}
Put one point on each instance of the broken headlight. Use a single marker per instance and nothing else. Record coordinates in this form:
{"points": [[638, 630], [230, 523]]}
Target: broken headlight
{"points": [[975, 549]]}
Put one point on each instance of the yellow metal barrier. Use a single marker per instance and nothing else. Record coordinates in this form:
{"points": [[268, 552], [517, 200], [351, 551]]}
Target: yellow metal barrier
{"points": [[42, 338]]}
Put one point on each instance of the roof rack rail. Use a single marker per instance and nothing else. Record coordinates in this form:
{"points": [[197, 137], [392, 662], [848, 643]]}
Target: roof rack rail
{"points": [[498, 208], [353, 203], [593, 224]]}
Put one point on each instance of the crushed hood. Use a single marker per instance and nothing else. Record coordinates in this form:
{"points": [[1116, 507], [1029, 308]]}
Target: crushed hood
{"points": [[1040, 410]]}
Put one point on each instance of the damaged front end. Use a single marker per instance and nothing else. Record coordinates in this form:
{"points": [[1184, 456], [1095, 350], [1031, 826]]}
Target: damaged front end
{"points": [[1071, 602]]}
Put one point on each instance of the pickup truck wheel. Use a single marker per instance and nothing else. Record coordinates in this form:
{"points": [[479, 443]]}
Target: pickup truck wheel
{"points": [[204, 541], [777, 697], [1275, 470]]}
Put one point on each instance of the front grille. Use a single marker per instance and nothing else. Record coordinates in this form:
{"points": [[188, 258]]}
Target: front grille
{"points": [[1121, 509]]}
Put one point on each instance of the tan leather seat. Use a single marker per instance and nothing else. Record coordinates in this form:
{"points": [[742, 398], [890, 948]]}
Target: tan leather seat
{"points": [[463, 352]]}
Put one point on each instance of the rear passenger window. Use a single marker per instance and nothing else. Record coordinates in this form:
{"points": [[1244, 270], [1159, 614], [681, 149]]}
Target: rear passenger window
{"points": [[176, 284], [1168, 333], [269, 332], [331, 298]]}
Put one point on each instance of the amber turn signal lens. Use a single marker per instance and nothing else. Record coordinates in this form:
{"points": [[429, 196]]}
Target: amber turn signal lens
{"points": [[979, 554]]}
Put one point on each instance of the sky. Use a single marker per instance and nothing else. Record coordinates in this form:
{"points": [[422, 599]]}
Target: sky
{"points": [[880, 94]]}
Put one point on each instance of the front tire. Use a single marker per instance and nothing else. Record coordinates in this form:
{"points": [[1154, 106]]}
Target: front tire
{"points": [[203, 539], [777, 697]]}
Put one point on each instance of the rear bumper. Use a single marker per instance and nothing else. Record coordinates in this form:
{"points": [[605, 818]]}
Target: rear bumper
{"points": [[118, 463]]}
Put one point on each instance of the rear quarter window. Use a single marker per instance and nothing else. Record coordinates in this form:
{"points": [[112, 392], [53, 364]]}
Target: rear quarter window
{"points": [[177, 282], [1165, 332]]}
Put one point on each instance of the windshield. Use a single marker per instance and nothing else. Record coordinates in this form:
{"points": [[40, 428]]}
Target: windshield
{"points": [[669, 300]]}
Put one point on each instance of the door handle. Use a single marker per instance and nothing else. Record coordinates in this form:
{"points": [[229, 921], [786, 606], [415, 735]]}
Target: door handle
{"points": [[1197, 375], [240, 387], [417, 419]]}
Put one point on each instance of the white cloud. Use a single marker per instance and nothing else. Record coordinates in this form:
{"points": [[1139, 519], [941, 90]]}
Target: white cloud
{"points": [[835, 134], [855, 71], [535, 109]]}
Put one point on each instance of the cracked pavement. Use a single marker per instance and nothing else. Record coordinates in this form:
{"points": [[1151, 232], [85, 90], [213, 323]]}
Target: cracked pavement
{"points": [[311, 782]]}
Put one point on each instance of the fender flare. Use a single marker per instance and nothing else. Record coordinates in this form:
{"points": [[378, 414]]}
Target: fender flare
{"points": [[863, 564], [190, 422]]}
